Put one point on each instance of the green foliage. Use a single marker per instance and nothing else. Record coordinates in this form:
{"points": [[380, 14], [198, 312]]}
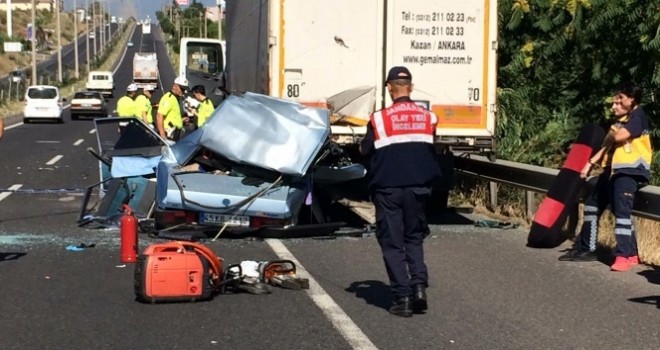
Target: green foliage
{"points": [[559, 61]]}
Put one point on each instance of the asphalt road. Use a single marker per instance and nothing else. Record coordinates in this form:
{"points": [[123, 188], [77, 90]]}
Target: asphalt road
{"points": [[488, 291]]}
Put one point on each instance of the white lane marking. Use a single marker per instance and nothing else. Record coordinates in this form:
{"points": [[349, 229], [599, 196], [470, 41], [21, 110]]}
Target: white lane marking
{"points": [[348, 329], [4, 195], [92, 131], [55, 159], [77, 143], [13, 126]]}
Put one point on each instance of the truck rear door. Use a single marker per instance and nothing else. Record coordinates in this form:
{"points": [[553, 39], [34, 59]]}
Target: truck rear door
{"points": [[450, 49], [325, 50]]}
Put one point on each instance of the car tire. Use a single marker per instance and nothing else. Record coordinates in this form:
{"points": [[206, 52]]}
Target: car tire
{"points": [[26, 121], [75, 117]]}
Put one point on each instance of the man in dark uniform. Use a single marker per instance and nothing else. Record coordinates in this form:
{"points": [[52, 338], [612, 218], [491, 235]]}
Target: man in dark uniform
{"points": [[403, 165]]}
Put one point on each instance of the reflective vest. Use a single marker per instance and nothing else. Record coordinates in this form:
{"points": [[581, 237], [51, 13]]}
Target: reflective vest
{"points": [[403, 122], [635, 153], [204, 111], [171, 110], [126, 107], [142, 104]]}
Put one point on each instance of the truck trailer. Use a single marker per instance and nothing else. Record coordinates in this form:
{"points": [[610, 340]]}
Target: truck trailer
{"points": [[145, 69], [335, 55]]}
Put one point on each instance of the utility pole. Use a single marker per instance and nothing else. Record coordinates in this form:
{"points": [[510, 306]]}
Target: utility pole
{"points": [[94, 28], [101, 28], [9, 25], [59, 43], [87, 33], [34, 46], [219, 2], [75, 39]]}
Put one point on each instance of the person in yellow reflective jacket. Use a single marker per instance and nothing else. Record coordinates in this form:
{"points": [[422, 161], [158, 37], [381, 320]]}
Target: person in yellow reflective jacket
{"points": [[126, 104], [169, 121], [627, 154], [206, 107], [143, 109]]}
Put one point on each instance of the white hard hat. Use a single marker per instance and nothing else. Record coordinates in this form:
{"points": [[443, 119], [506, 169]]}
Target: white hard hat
{"points": [[181, 81], [132, 87]]}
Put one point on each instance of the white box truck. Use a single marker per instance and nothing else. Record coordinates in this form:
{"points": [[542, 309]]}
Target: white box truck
{"points": [[335, 55], [146, 28], [145, 69]]}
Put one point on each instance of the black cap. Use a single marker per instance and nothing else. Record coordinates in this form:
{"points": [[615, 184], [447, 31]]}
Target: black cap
{"points": [[398, 72]]}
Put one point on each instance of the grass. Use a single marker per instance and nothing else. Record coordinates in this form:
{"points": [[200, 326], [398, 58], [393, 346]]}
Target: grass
{"points": [[20, 19], [511, 207]]}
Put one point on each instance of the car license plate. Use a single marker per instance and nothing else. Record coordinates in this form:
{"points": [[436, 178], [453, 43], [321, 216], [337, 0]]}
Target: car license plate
{"points": [[231, 220], [42, 108], [86, 105]]}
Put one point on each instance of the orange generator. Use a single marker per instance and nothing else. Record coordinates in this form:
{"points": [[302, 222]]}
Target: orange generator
{"points": [[177, 271]]}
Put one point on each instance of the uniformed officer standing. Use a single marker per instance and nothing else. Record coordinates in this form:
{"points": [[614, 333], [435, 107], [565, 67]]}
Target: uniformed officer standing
{"points": [[169, 120], [126, 104], [143, 109], [206, 107], [403, 165]]}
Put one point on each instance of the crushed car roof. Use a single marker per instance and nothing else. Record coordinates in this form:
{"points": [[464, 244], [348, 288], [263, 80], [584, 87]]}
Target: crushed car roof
{"points": [[261, 131]]}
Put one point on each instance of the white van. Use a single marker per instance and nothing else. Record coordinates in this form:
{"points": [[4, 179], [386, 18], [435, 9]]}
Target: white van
{"points": [[101, 81], [43, 102]]}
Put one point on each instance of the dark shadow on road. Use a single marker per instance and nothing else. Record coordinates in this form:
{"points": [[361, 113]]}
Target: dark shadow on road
{"points": [[653, 276], [651, 300], [375, 293], [6, 256]]}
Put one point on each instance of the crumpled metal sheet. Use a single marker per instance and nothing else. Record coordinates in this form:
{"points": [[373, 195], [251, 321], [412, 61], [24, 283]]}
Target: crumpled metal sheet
{"points": [[262, 131]]}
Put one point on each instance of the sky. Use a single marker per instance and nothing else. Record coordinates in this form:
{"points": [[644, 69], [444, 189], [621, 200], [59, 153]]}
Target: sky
{"points": [[125, 8]]}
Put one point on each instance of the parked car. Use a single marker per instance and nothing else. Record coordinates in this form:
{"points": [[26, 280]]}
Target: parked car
{"points": [[130, 44], [92, 35], [88, 103], [43, 102], [259, 165], [17, 75]]}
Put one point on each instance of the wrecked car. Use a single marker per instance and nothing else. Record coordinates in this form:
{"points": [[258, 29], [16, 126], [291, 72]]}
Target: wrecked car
{"points": [[260, 164]]}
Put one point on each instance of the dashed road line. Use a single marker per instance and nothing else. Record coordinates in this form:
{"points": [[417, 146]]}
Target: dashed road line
{"points": [[92, 131], [54, 160], [77, 143], [4, 195], [348, 329]]}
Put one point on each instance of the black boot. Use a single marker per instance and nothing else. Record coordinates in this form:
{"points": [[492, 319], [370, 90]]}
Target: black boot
{"points": [[402, 307], [419, 298]]}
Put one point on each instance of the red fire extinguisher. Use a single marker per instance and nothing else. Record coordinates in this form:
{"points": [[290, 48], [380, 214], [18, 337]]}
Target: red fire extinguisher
{"points": [[129, 236]]}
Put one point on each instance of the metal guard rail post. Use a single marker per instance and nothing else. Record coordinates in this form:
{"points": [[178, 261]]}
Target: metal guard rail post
{"points": [[539, 179]]}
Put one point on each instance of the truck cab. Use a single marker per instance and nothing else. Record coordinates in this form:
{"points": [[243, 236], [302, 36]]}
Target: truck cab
{"points": [[202, 62]]}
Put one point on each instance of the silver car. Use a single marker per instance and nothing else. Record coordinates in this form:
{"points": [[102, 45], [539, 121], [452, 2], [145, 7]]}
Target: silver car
{"points": [[259, 164]]}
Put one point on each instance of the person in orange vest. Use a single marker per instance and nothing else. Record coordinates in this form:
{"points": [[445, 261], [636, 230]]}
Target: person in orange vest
{"points": [[399, 140]]}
